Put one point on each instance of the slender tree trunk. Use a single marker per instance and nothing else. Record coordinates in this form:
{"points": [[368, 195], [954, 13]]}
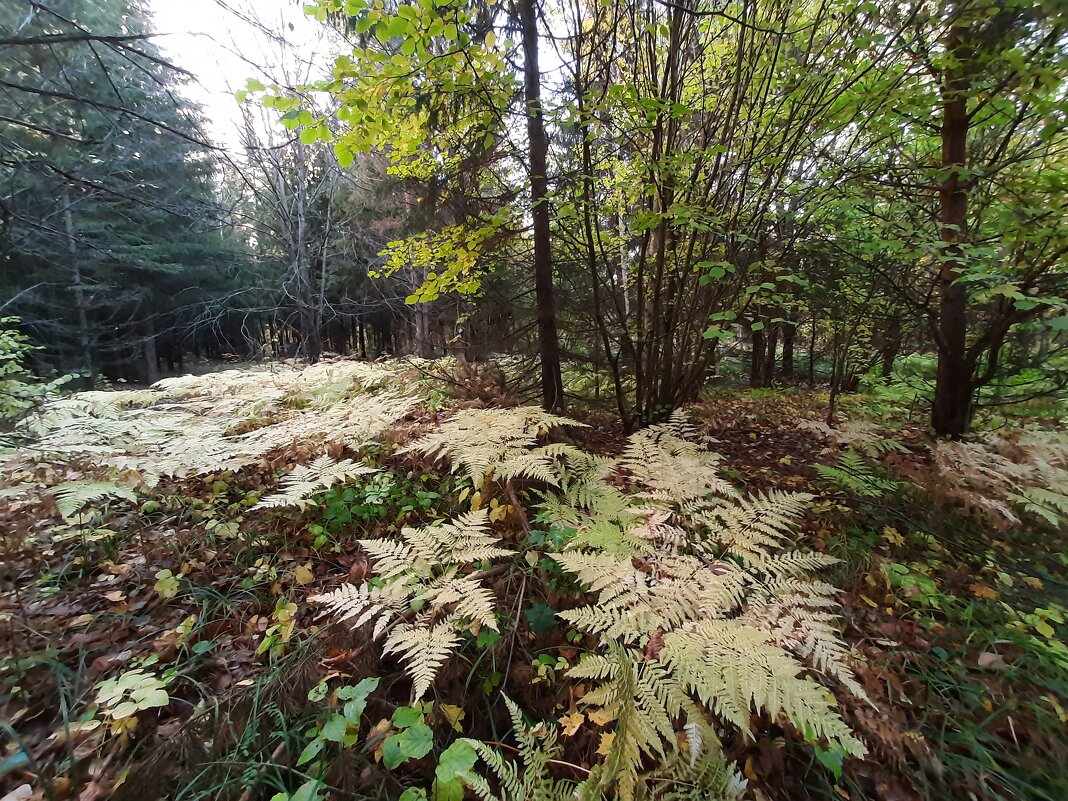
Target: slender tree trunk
{"points": [[952, 409], [552, 385], [891, 346], [84, 351], [789, 332], [151, 356], [773, 352], [756, 363]]}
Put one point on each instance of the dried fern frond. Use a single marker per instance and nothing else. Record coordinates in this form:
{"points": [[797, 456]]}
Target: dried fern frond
{"points": [[74, 496], [297, 488], [424, 647], [700, 603], [734, 671], [497, 442], [421, 568]]}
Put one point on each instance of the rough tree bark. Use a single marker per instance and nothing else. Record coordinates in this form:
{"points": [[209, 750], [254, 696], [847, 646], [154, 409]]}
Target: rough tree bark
{"points": [[952, 409], [552, 385]]}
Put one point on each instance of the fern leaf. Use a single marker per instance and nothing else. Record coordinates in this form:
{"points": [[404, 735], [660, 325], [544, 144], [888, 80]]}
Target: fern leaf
{"points": [[73, 496], [305, 480], [424, 650]]}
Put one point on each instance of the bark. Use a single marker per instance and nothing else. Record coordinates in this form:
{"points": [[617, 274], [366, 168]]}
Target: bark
{"points": [[789, 333], [891, 346], [772, 354], [84, 351], [552, 385], [756, 364], [952, 409]]}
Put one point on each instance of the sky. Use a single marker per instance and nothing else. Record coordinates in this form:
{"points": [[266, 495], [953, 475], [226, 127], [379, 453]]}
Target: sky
{"points": [[225, 42]]}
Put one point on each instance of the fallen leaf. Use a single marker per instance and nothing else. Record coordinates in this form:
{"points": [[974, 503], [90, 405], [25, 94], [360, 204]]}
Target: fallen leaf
{"points": [[453, 714], [571, 723], [606, 743], [600, 717], [303, 574], [983, 591], [990, 660]]}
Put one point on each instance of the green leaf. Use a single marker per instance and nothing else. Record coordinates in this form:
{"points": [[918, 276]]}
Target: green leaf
{"points": [[412, 743], [309, 136], [311, 751], [307, 791], [413, 794], [336, 728], [406, 716], [454, 768], [541, 617]]}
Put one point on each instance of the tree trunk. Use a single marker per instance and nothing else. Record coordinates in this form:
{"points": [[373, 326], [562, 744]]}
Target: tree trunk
{"points": [[756, 364], [789, 332], [952, 409], [552, 385], [891, 346], [773, 352], [151, 356], [84, 351]]}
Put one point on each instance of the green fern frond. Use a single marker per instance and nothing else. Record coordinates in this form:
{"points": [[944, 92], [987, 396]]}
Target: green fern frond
{"points": [[853, 474]]}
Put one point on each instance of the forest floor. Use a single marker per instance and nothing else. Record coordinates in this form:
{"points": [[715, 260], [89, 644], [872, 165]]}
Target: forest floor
{"points": [[953, 607]]}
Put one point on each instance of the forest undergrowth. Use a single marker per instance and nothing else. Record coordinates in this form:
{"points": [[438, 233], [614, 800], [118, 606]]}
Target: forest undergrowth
{"points": [[369, 580]]}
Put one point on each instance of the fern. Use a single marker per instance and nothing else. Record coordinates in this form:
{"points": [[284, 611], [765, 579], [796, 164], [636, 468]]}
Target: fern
{"points": [[496, 442], [531, 780], [853, 474], [859, 436], [74, 496], [1047, 504], [305, 480], [702, 607], [421, 570]]}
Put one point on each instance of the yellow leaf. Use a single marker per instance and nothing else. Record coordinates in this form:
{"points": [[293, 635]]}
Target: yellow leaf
{"points": [[601, 717], [606, 743], [476, 501], [166, 584], [1034, 582], [453, 714], [303, 574], [463, 495], [869, 601], [983, 591], [571, 723], [893, 536]]}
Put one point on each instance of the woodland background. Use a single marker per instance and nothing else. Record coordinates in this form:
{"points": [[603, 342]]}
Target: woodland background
{"points": [[667, 400]]}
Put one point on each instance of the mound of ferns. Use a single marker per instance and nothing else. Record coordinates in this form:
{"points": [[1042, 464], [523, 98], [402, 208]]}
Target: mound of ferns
{"points": [[704, 613], [196, 425]]}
